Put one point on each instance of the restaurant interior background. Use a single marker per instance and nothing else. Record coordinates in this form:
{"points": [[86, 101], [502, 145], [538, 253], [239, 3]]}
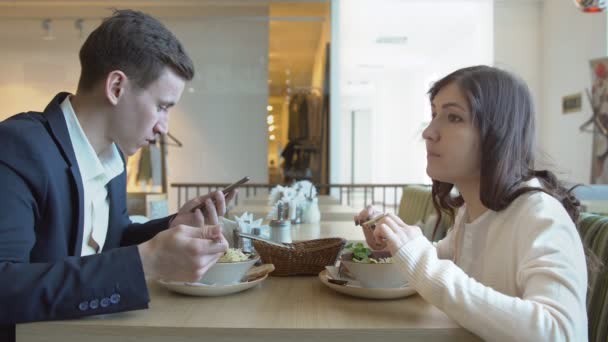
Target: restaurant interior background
{"points": [[364, 66]]}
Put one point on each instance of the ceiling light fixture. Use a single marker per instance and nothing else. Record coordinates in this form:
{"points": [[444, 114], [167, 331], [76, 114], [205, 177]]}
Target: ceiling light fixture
{"points": [[48, 31], [78, 24], [397, 40]]}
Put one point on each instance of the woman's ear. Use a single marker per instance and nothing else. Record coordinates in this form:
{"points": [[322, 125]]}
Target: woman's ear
{"points": [[115, 86]]}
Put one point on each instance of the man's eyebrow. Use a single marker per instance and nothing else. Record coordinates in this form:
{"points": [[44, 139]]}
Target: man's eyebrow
{"points": [[167, 103]]}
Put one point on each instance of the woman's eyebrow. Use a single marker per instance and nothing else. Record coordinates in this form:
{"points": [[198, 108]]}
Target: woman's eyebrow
{"points": [[453, 104]]}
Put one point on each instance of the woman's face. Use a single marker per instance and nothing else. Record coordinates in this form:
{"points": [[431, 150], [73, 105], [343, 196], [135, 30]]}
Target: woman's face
{"points": [[452, 141]]}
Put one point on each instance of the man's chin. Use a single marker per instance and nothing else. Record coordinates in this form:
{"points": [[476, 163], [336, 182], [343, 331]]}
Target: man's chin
{"points": [[133, 150], [129, 150]]}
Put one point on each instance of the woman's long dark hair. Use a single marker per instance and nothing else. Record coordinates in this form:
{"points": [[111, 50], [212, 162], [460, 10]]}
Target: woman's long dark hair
{"points": [[503, 112]]}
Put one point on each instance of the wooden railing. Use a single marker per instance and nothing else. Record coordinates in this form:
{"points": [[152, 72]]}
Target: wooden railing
{"points": [[386, 196]]}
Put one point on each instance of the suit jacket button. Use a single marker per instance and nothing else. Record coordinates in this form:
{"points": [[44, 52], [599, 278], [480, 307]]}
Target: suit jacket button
{"points": [[94, 304], [115, 298], [83, 306], [105, 302]]}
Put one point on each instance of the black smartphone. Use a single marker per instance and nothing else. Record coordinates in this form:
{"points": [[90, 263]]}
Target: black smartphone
{"points": [[225, 191], [235, 185]]}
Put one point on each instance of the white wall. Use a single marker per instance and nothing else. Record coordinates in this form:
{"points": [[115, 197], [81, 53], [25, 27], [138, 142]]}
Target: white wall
{"points": [[222, 122], [570, 39], [547, 43], [33, 70], [387, 55], [518, 43]]}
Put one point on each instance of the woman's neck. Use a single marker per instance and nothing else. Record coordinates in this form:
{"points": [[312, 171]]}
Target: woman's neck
{"points": [[470, 194]]}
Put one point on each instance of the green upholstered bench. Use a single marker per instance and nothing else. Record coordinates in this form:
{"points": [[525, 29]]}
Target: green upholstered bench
{"points": [[594, 234], [416, 208]]}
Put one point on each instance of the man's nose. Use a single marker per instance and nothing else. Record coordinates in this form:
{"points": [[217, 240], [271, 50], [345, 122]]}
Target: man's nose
{"points": [[160, 128]]}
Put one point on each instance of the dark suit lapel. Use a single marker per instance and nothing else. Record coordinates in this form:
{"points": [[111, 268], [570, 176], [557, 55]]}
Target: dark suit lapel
{"points": [[113, 237], [59, 130]]}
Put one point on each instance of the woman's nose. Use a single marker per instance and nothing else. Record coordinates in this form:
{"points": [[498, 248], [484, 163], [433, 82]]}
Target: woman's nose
{"points": [[430, 132]]}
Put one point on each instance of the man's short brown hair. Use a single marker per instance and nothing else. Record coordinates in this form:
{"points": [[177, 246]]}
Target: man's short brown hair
{"points": [[135, 43]]}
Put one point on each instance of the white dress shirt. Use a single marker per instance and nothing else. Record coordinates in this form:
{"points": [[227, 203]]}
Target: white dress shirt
{"points": [[96, 171]]}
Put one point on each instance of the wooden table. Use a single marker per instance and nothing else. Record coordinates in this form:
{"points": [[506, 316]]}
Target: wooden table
{"points": [[327, 229], [262, 199], [290, 309], [322, 230], [329, 212], [279, 309]]}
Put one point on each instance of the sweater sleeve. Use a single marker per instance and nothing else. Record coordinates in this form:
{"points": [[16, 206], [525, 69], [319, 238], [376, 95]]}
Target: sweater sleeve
{"points": [[444, 246], [551, 277]]}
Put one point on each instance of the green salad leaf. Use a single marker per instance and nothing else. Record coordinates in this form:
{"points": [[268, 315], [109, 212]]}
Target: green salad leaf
{"points": [[360, 252]]}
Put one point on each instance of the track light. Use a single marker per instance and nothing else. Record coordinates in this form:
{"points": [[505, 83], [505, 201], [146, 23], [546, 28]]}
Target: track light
{"points": [[48, 32], [78, 24]]}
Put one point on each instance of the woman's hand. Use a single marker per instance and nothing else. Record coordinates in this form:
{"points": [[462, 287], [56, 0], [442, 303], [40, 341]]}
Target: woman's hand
{"points": [[394, 232], [365, 215]]}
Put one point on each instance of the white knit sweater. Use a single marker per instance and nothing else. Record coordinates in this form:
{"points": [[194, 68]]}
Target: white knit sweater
{"points": [[526, 280]]}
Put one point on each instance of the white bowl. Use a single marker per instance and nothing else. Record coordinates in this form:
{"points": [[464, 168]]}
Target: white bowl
{"points": [[226, 273], [375, 275]]}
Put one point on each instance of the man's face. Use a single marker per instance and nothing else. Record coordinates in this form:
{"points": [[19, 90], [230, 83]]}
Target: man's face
{"points": [[141, 114]]}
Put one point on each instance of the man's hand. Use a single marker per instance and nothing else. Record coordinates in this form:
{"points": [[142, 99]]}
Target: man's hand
{"points": [[183, 252], [214, 206]]}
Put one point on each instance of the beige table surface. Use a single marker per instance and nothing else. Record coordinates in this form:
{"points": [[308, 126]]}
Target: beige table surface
{"points": [[262, 199], [279, 309], [329, 212], [322, 230], [327, 229]]}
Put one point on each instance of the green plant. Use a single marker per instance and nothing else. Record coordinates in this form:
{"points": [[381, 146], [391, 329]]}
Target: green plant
{"points": [[360, 252]]}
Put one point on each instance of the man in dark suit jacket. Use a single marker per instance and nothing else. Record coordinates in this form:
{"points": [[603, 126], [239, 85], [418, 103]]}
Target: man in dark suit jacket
{"points": [[133, 71]]}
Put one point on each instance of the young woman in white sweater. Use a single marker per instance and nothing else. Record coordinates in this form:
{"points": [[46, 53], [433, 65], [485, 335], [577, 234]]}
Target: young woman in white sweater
{"points": [[512, 268]]}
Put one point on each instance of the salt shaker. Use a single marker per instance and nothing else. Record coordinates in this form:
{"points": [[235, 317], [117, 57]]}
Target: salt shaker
{"points": [[280, 222]]}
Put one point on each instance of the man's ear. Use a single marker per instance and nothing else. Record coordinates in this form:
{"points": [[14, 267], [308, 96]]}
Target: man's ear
{"points": [[115, 86]]}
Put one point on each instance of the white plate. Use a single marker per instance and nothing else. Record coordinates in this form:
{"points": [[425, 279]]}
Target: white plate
{"points": [[364, 292], [197, 289]]}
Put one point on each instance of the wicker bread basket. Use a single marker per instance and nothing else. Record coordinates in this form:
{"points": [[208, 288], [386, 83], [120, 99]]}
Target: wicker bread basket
{"points": [[305, 258]]}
